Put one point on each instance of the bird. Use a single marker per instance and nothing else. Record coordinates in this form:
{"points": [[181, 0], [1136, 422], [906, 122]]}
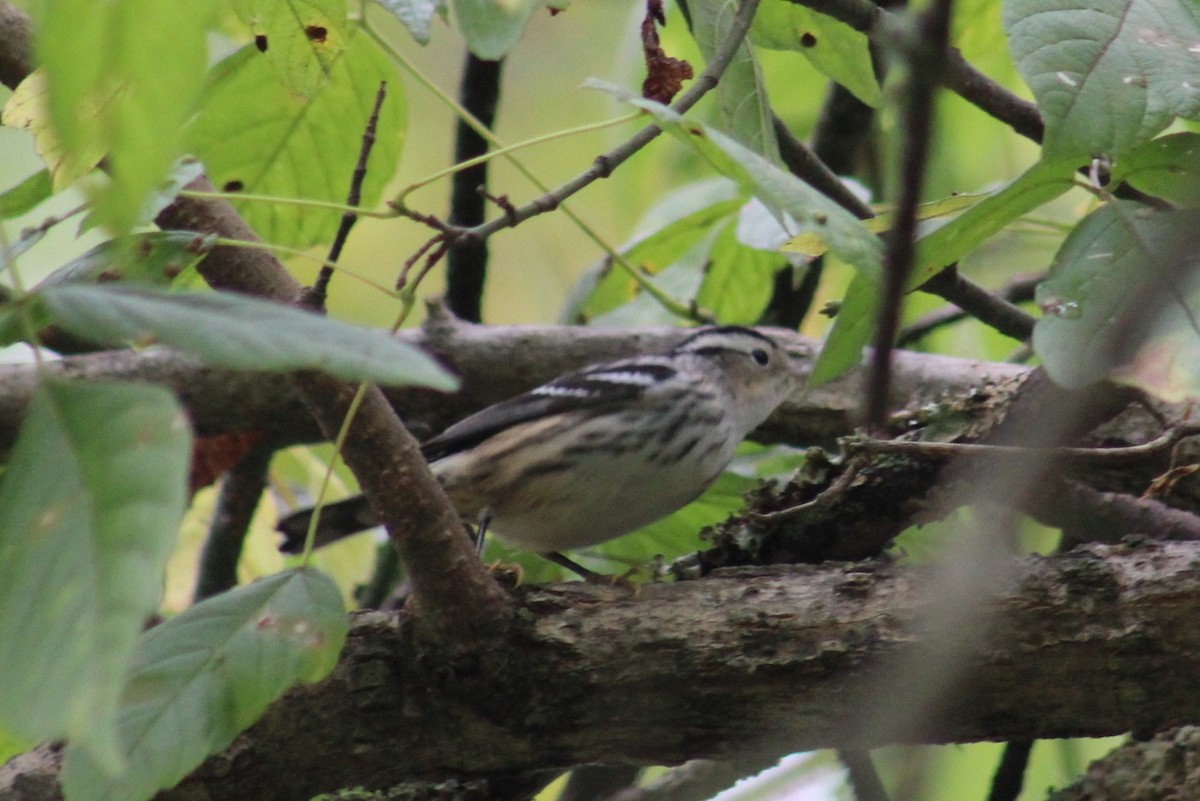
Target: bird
{"points": [[598, 452]]}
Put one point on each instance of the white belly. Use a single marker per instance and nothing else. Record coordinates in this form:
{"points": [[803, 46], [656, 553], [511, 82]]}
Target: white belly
{"points": [[582, 500]]}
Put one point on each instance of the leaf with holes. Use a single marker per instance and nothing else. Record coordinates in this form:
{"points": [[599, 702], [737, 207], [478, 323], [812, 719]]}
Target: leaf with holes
{"points": [[202, 677], [89, 508], [1107, 74], [1120, 255], [300, 39], [256, 136], [833, 47], [241, 333]]}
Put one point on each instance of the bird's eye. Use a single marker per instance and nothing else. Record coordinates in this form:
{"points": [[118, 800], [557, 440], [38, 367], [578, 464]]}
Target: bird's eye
{"points": [[760, 357]]}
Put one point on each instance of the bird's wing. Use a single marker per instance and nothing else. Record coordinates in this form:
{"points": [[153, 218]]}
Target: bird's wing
{"points": [[611, 384]]}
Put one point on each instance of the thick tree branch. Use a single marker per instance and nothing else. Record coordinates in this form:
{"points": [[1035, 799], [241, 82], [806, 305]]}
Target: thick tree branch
{"points": [[1165, 767], [1091, 643], [495, 362], [16, 46]]}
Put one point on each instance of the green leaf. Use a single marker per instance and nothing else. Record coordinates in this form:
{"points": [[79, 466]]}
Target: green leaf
{"points": [[670, 537], [680, 279], [89, 509], [25, 196], [154, 258], [1107, 74], [738, 281], [666, 231], [111, 90], [1037, 186], [852, 329], [1168, 168], [745, 113], [183, 172], [256, 136], [797, 206], [301, 39], [493, 27], [202, 677], [1114, 256], [837, 50], [241, 333], [855, 322], [416, 15]]}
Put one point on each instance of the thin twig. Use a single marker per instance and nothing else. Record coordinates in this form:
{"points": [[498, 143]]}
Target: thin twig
{"points": [[314, 297], [604, 164], [926, 57], [1092, 457]]}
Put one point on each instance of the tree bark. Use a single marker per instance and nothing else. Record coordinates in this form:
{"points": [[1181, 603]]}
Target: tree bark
{"points": [[1092, 643]]}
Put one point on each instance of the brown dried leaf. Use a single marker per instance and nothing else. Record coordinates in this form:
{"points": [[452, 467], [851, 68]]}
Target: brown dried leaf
{"points": [[664, 75]]}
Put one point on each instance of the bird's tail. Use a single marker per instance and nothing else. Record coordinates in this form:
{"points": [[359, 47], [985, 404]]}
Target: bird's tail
{"points": [[338, 520]]}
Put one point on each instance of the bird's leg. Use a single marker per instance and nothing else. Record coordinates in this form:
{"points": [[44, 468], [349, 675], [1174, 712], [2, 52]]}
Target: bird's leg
{"points": [[579, 570], [485, 517]]}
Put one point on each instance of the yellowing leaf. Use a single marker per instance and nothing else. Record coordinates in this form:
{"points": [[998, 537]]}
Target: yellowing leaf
{"points": [[27, 109]]}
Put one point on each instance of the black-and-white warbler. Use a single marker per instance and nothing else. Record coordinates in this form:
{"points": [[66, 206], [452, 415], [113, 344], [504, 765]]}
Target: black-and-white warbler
{"points": [[597, 453]]}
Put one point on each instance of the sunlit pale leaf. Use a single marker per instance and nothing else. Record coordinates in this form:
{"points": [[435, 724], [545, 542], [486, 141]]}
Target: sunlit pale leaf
{"points": [[241, 333], [27, 109], [1108, 74], [301, 39], [89, 508], [254, 135], [113, 91], [833, 47], [653, 251], [1116, 257], [202, 677]]}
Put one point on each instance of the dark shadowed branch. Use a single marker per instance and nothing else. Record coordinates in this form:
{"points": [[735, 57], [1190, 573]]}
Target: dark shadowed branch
{"points": [[466, 265]]}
